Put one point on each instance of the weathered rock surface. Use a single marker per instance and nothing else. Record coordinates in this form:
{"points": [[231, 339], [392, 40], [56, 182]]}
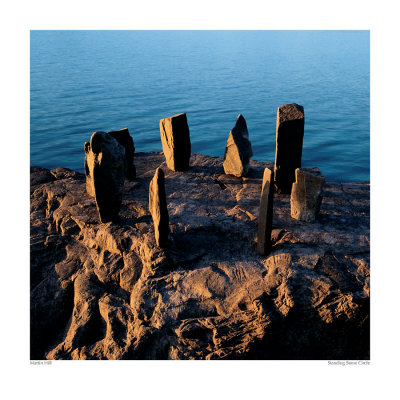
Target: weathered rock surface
{"points": [[265, 216], [107, 291], [158, 208], [175, 139], [125, 139], [289, 145], [238, 149], [105, 168], [306, 196]]}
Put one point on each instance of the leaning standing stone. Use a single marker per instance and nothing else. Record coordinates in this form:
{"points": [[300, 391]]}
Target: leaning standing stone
{"points": [[289, 145], [158, 208], [238, 149], [305, 200], [125, 139], [105, 167], [266, 212], [175, 139]]}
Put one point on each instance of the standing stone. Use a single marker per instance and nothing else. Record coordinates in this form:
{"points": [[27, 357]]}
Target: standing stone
{"points": [[305, 200], [89, 177], [289, 145], [158, 207], [175, 139], [105, 167], [238, 149], [125, 139], [266, 211]]}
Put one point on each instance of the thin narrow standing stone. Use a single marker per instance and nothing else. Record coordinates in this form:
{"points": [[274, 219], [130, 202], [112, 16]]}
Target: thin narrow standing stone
{"points": [[158, 208], [289, 145], [89, 176], [175, 139], [266, 211], [238, 149], [125, 139], [105, 167], [305, 200]]}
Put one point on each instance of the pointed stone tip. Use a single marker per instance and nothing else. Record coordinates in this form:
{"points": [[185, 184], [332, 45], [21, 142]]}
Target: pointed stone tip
{"points": [[241, 124], [267, 174], [159, 173], [240, 119]]}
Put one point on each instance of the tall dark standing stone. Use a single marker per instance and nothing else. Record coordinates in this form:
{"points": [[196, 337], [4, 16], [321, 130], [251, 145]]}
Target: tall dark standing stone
{"points": [[158, 208], [175, 139], [238, 149], [305, 200], [266, 212], [105, 167], [289, 145], [125, 139]]}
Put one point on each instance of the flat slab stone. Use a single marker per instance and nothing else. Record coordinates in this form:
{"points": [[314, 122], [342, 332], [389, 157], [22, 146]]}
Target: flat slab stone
{"points": [[305, 199], [158, 208], [125, 139], [105, 167], [289, 145], [238, 149], [266, 214], [175, 139]]}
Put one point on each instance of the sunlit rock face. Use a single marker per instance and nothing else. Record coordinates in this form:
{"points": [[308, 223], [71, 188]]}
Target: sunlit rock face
{"points": [[306, 196], [107, 291]]}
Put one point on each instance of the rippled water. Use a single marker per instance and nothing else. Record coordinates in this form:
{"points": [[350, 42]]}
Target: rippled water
{"points": [[83, 81]]}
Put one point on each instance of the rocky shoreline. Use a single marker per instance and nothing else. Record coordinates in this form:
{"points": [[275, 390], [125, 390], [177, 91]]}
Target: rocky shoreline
{"points": [[107, 291]]}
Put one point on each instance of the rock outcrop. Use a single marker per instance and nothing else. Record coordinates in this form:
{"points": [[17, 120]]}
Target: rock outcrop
{"points": [[125, 139], [158, 208], [289, 145], [107, 291], [305, 199], [105, 168], [238, 149], [264, 242], [175, 139]]}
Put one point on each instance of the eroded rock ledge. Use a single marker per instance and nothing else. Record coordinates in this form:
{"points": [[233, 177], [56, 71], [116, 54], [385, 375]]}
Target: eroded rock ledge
{"points": [[106, 291]]}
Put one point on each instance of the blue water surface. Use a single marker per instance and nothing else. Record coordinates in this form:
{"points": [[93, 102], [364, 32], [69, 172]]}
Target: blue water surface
{"points": [[86, 81]]}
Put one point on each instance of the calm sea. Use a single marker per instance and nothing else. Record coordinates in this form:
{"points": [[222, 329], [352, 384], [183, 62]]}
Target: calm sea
{"points": [[86, 81]]}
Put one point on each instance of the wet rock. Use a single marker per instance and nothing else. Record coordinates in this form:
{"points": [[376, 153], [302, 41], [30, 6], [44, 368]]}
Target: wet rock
{"points": [[289, 145], [238, 149], [105, 167], [158, 208], [175, 139], [125, 139], [266, 214], [305, 200]]}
